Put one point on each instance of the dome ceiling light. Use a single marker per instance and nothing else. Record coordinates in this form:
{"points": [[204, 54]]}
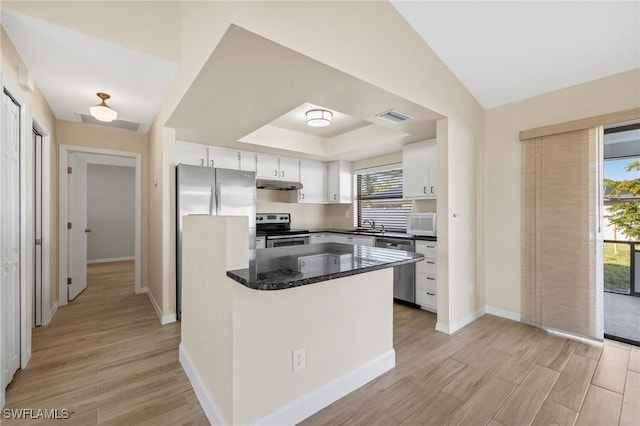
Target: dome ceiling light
{"points": [[102, 111], [319, 117]]}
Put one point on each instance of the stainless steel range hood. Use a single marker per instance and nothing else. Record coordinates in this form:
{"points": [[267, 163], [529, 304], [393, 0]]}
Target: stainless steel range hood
{"points": [[280, 185]]}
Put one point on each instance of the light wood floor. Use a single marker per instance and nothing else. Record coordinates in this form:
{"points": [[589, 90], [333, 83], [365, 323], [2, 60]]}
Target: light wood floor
{"points": [[494, 372], [107, 359]]}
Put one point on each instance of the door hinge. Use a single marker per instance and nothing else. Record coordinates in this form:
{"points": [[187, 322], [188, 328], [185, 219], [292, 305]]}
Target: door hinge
{"points": [[69, 170], [68, 225], [69, 281]]}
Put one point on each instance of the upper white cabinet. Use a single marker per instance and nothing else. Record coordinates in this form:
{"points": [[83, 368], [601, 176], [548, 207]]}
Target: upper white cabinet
{"points": [[313, 176], [339, 182], [280, 168], [419, 169], [191, 153], [207, 156], [247, 161], [224, 158]]}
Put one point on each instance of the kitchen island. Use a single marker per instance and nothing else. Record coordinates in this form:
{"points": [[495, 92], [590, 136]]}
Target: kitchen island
{"points": [[245, 313]]}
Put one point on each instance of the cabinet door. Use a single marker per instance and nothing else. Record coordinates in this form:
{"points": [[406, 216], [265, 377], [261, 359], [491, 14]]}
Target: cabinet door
{"points": [[341, 238], [319, 238], [428, 248], [426, 291], [415, 170], [267, 166], [289, 169], [363, 241], [224, 158], [247, 161], [432, 161], [313, 175], [339, 182], [191, 153]]}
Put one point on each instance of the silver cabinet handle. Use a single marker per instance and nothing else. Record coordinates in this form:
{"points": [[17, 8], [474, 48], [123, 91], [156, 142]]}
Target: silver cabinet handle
{"points": [[282, 173], [302, 195], [87, 230], [303, 263], [431, 263], [349, 238], [211, 163], [431, 246], [275, 173], [431, 294], [424, 189], [432, 190], [202, 161], [432, 279], [335, 196]]}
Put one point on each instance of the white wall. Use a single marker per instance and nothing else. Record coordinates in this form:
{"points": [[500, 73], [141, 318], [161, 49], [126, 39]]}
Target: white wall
{"points": [[110, 212]]}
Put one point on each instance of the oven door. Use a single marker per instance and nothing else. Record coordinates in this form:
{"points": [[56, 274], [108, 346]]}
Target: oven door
{"points": [[287, 240]]}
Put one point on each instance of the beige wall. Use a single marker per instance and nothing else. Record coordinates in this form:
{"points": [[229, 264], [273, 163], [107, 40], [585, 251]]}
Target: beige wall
{"points": [[336, 34], [39, 110], [502, 185], [95, 136]]}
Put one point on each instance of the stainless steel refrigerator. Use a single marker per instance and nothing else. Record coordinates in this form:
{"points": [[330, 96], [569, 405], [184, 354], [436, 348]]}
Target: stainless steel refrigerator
{"points": [[211, 191]]}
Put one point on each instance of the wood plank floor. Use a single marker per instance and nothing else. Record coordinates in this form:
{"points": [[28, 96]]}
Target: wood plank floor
{"points": [[107, 359], [494, 372]]}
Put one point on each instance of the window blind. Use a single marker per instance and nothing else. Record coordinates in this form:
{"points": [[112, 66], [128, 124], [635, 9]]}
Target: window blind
{"points": [[379, 198]]}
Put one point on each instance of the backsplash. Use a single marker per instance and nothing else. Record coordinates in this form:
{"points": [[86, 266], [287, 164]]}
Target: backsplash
{"points": [[303, 216]]}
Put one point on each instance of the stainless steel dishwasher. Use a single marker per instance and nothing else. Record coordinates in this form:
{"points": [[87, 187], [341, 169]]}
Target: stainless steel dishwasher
{"points": [[404, 284]]}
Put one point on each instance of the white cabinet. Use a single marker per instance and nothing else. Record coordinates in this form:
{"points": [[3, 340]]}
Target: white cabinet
{"points": [[426, 276], [203, 155], [419, 170], [247, 161], [320, 237], [223, 158], [339, 182], [359, 240], [313, 176], [279, 168], [191, 153]]}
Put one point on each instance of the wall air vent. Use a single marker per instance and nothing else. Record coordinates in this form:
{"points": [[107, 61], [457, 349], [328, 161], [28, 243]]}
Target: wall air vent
{"points": [[120, 124], [393, 116]]}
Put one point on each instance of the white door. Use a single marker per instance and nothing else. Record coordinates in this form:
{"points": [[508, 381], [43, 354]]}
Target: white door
{"points": [[37, 273], [10, 236], [78, 220]]}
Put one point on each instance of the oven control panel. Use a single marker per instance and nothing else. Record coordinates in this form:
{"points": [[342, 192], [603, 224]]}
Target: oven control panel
{"points": [[273, 218]]}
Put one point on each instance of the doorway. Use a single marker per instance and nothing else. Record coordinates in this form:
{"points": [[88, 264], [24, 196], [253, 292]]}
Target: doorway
{"points": [[621, 232], [74, 229]]}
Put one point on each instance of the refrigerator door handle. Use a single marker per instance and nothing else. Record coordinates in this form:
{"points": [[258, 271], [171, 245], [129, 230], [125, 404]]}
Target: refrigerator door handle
{"points": [[213, 201]]}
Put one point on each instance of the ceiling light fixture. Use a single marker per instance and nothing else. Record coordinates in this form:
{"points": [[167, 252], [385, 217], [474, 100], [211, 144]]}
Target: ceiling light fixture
{"points": [[319, 117], [102, 111]]}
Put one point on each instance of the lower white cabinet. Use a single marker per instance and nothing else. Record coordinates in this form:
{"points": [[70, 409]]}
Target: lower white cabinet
{"points": [[320, 237], [359, 240], [426, 276]]}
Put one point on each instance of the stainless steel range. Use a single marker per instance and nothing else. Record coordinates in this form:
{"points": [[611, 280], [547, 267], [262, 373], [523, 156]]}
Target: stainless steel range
{"points": [[276, 227]]}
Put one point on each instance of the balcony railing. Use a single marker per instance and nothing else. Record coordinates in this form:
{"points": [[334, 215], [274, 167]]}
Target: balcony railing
{"points": [[622, 267]]}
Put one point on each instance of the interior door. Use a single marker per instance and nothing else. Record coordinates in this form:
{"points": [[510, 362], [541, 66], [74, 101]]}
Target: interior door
{"points": [[37, 273], [10, 237], [78, 220]]}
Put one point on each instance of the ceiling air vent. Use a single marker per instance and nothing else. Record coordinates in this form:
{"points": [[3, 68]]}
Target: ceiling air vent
{"points": [[120, 124], [393, 116]]}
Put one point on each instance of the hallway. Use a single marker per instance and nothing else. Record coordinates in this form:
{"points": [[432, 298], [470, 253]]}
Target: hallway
{"points": [[106, 358]]}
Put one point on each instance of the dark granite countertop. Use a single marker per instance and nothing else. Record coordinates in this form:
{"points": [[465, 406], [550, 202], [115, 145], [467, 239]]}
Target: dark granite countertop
{"points": [[292, 266], [372, 233]]}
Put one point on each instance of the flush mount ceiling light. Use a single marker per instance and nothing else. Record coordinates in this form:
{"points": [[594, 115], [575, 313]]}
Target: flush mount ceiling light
{"points": [[102, 111], [319, 117]]}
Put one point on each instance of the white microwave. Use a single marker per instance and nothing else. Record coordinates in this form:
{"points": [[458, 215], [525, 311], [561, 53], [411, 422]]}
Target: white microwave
{"points": [[422, 224]]}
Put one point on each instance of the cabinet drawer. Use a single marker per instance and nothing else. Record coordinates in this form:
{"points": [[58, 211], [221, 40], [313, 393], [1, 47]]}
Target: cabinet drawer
{"points": [[427, 266], [427, 282], [426, 299], [428, 248]]}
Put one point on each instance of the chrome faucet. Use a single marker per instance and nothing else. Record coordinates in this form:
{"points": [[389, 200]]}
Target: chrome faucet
{"points": [[382, 227], [371, 222]]}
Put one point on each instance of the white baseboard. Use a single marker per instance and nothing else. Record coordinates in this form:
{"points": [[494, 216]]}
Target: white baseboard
{"points": [[209, 406], [314, 401], [142, 290], [111, 259], [302, 407], [164, 318], [503, 314], [452, 328], [50, 314]]}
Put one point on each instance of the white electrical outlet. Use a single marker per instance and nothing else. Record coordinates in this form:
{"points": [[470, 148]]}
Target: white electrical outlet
{"points": [[299, 359]]}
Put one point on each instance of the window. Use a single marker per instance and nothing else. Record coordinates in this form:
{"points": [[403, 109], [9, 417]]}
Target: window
{"points": [[379, 197]]}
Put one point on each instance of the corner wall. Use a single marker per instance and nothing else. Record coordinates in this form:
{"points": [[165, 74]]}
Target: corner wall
{"points": [[502, 168]]}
